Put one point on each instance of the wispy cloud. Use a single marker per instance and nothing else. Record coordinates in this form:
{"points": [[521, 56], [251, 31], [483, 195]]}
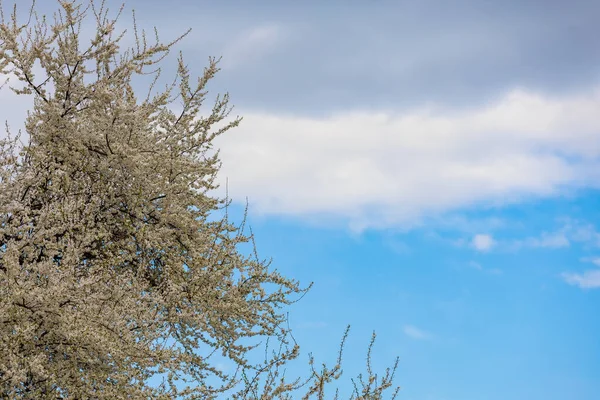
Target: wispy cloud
{"points": [[582, 232], [589, 279], [486, 242], [593, 260], [416, 333], [545, 240], [253, 44], [586, 280], [380, 169], [479, 267], [395, 245], [571, 231]]}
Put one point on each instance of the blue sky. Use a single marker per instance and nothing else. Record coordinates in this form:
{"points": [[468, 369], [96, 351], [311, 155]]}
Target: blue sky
{"points": [[433, 167]]}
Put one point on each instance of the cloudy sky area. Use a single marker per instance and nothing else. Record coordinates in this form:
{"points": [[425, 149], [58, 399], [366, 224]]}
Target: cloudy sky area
{"points": [[433, 166]]}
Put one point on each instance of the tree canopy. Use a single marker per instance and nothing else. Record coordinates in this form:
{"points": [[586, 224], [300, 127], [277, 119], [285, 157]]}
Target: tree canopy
{"points": [[113, 269]]}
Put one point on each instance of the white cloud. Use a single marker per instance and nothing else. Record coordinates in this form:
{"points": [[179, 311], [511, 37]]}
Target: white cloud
{"points": [[482, 242], [380, 169], [252, 45], [416, 333], [587, 280]]}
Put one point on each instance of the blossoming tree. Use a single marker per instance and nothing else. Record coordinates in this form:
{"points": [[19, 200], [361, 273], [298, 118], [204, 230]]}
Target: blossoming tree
{"points": [[116, 281]]}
